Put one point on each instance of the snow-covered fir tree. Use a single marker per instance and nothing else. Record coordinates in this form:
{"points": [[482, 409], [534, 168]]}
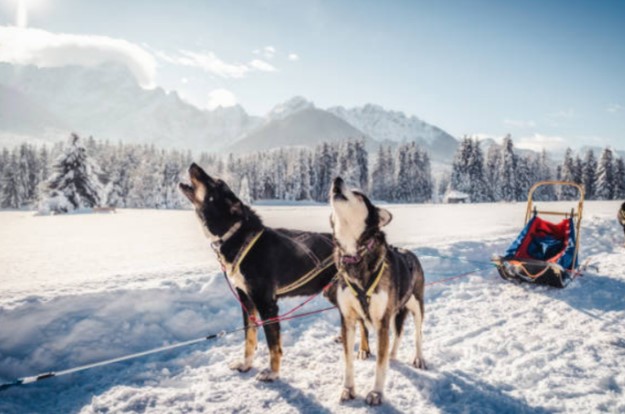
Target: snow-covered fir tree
{"points": [[12, 185], [524, 177], [568, 173], [325, 161], [460, 168], [507, 170], [589, 172], [245, 194], [543, 172], [491, 172], [403, 182], [604, 180], [478, 187], [74, 183], [619, 179]]}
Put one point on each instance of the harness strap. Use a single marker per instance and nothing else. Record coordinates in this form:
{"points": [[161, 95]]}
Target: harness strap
{"points": [[236, 263], [329, 261], [364, 296]]}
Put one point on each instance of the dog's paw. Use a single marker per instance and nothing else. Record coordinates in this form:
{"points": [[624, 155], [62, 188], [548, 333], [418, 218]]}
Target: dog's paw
{"points": [[363, 354], [347, 394], [374, 398], [419, 363], [267, 375], [241, 366]]}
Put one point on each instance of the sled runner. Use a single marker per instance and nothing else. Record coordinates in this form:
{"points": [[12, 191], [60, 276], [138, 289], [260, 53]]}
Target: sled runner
{"points": [[544, 252]]}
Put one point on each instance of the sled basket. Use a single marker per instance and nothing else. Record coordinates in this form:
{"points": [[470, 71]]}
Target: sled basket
{"points": [[544, 252]]}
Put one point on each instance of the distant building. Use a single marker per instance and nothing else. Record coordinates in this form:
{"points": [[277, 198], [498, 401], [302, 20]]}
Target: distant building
{"points": [[455, 197]]}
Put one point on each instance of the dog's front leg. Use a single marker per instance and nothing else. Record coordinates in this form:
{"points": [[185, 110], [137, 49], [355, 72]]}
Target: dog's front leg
{"points": [[250, 335], [348, 331], [364, 351], [375, 396], [272, 333]]}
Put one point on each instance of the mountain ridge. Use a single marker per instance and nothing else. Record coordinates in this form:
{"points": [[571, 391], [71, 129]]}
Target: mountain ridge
{"points": [[106, 101]]}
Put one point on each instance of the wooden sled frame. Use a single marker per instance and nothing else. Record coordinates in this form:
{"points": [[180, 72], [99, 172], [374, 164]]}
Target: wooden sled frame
{"points": [[576, 215]]}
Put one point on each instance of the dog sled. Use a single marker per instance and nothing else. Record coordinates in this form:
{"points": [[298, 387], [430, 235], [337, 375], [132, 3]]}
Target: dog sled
{"points": [[545, 252]]}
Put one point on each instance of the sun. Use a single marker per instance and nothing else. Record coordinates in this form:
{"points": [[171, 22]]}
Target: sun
{"points": [[23, 7]]}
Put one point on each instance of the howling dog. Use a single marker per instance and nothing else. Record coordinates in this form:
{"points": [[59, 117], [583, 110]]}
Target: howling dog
{"points": [[379, 284], [262, 263]]}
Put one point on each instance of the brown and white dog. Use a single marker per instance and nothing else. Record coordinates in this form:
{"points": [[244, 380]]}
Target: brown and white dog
{"points": [[379, 284]]}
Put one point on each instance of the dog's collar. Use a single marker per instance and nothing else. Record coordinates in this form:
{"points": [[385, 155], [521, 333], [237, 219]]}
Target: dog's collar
{"points": [[221, 240], [356, 258]]}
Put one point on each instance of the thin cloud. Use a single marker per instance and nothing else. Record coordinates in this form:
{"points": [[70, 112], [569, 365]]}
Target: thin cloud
{"points": [[563, 114], [211, 63], [206, 61], [614, 108], [268, 52], [519, 123], [25, 46], [293, 57], [538, 142], [262, 66]]}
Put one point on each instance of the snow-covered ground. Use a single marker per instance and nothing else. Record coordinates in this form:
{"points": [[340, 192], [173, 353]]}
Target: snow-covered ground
{"points": [[78, 289]]}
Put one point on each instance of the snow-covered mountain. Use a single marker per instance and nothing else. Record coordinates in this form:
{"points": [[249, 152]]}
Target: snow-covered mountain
{"points": [[107, 102], [304, 127], [395, 126], [288, 108]]}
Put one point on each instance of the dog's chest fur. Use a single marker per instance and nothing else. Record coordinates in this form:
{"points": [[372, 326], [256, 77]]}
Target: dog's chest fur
{"points": [[237, 278], [351, 308]]}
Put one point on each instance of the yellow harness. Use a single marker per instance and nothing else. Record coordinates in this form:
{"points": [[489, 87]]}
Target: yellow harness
{"points": [[358, 293], [236, 264]]}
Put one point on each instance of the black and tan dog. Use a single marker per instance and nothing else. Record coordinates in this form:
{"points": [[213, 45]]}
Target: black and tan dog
{"points": [[379, 284], [621, 216], [264, 264]]}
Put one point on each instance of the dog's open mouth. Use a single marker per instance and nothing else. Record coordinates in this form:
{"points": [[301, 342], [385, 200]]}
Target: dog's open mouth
{"points": [[186, 187], [337, 190], [338, 196]]}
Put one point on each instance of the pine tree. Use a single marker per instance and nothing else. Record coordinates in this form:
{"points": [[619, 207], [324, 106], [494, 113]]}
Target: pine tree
{"points": [[402, 179], [74, 183], [491, 173], [478, 187], [523, 177], [460, 175], [589, 171], [362, 163], [604, 180], [567, 172], [543, 172], [507, 171], [619, 179], [378, 190], [12, 189], [245, 194]]}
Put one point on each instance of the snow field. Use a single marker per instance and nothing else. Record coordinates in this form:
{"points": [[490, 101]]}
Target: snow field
{"points": [[491, 346]]}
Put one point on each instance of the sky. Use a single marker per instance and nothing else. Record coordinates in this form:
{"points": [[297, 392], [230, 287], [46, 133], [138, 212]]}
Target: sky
{"points": [[550, 73]]}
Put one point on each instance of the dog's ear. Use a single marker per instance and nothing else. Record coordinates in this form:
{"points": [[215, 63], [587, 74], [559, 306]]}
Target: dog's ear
{"points": [[236, 208], [385, 217]]}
